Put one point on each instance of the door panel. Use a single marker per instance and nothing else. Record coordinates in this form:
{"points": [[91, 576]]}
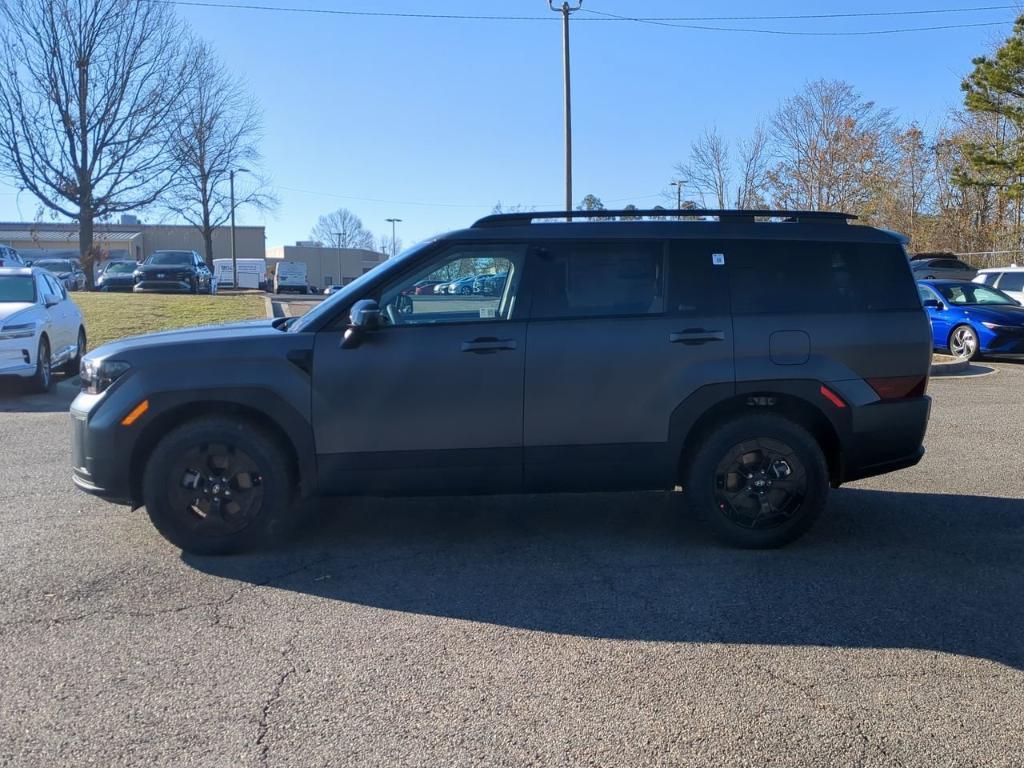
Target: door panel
{"points": [[432, 401], [600, 390]]}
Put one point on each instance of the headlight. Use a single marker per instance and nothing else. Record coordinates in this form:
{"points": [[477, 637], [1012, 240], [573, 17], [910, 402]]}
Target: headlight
{"points": [[98, 376], [18, 331], [1000, 328]]}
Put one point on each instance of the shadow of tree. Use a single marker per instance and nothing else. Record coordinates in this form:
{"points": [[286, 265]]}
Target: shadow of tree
{"points": [[881, 570]]}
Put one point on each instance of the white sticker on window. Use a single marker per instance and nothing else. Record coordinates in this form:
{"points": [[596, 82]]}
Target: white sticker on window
{"points": [[488, 313], [718, 259]]}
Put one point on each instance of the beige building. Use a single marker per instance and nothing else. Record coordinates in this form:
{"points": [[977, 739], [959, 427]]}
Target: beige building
{"points": [[130, 239], [327, 266]]}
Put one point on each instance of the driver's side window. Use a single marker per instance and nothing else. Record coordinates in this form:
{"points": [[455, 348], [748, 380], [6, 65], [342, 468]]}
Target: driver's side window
{"points": [[464, 284]]}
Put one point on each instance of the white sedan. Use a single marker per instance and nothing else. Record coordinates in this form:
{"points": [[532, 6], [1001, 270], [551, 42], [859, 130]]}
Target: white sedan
{"points": [[41, 329]]}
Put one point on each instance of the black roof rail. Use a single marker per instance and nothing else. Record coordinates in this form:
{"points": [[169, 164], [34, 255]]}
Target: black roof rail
{"points": [[514, 219]]}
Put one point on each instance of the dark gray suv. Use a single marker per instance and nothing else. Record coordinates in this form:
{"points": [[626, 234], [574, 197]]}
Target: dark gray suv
{"points": [[755, 359]]}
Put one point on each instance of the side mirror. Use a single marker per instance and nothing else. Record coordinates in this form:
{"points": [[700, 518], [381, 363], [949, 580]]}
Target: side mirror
{"points": [[51, 302], [364, 317], [933, 304]]}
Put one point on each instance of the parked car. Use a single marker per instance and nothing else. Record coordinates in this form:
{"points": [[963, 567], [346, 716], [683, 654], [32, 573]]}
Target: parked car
{"points": [[463, 286], [66, 270], [41, 329], [941, 267], [174, 272], [489, 285], [442, 287], [332, 289], [117, 275], [754, 363], [970, 319], [1009, 280], [10, 257], [423, 287]]}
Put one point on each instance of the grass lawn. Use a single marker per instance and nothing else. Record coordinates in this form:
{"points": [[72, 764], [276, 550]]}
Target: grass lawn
{"points": [[110, 316]]}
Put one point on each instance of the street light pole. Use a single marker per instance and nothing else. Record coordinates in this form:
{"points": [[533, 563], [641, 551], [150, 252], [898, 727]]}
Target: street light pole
{"points": [[393, 239], [565, 10], [340, 236], [679, 193], [234, 259]]}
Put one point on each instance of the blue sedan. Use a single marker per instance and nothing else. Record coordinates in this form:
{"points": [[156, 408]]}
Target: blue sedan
{"points": [[971, 319]]}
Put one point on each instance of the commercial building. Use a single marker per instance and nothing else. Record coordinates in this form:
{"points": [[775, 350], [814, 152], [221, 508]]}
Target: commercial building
{"points": [[130, 239], [327, 266]]}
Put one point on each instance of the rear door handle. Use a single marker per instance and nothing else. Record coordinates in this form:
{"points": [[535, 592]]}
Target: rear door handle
{"points": [[694, 336], [484, 346]]}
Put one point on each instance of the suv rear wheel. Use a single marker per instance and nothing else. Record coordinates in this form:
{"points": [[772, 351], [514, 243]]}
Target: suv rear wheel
{"points": [[760, 480], [217, 486]]}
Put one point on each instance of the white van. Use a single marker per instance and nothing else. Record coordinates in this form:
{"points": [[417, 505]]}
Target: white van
{"points": [[291, 276], [1009, 280], [252, 273]]}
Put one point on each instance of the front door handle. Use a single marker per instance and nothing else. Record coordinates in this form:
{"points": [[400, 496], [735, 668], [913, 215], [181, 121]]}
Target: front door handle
{"points": [[694, 336], [488, 345]]}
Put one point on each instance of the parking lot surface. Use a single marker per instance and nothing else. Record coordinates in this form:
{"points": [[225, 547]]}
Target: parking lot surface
{"points": [[604, 630]]}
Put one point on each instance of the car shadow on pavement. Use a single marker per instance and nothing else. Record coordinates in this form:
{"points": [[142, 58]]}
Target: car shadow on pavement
{"points": [[16, 398], [880, 570]]}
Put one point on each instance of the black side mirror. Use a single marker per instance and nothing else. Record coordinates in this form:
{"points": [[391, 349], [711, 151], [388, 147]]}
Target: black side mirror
{"points": [[364, 317], [933, 304]]}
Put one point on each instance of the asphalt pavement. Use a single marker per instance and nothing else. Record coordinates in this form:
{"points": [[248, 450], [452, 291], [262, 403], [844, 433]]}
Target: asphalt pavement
{"points": [[601, 630]]}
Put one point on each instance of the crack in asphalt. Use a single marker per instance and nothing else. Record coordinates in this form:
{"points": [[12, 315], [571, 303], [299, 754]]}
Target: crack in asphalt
{"points": [[263, 725]]}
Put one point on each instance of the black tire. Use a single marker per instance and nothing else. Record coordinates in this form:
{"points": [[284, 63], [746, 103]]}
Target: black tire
{"points": [[963, 343], [42, 379], [728, 498], [180, 487], [72, 366], [193, 287]]}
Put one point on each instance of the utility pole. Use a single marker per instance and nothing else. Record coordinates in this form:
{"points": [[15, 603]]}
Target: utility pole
{"points": [[234, 260], [565, 10], [679, 193], [340, 236], [393, 240]]}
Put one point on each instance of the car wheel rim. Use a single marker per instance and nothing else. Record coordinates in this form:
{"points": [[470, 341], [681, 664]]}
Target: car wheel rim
{"points": [[760, 484], [216, 488], [965, 344], [81, 344], [44, 363]]}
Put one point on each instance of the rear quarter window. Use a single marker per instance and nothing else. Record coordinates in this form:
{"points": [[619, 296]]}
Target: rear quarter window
{"points": [[782, 277], [1012, 281]]}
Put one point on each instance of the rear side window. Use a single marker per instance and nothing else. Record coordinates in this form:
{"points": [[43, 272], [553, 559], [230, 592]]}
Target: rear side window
{"points": [[579, 279], [819, 277], [1012, 281], [698, 282], [989, 278]]}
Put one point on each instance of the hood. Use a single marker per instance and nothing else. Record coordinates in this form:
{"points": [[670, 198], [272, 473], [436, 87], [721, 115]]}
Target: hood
{"points": [[1004, 315], [227, 334], [9, 309]]}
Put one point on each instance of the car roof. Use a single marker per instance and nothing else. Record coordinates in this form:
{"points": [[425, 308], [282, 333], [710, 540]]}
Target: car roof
{"points": [[24, 271], [949, 282], [1013, 268]]}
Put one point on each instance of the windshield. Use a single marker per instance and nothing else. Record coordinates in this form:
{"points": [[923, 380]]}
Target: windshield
{"points": [[17, 288], [170, 258], [973, 294], [54, 265], [119, 268], [341, 296]]}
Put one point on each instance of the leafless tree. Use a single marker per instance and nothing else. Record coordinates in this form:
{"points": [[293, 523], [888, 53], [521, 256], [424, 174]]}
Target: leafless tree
{"points": [[753, 151], [832, 149], [218, 132], [707, 171], [387, 247], [342, 229], [88, 91]]}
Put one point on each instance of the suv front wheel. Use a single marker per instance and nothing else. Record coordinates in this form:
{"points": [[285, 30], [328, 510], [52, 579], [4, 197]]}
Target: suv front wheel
{"points": [[761, 481], [217, 486]]}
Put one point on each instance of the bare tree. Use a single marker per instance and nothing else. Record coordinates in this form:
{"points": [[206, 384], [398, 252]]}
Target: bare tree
{"points": [[342, 229], [386, 246], [707, 171], [219, 132], [832, 149], [88, 91], [753, 151]]}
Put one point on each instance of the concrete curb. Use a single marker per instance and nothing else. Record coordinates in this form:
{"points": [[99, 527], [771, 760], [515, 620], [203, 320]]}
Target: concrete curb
{"points": [[944, 365], [273, 308]]}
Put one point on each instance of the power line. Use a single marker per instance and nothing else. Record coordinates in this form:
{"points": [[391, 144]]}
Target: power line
{"points": [[667, 21], [799, 33]]}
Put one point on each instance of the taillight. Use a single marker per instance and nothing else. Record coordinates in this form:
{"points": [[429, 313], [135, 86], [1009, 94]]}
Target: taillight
{"points": [[899, 387]]}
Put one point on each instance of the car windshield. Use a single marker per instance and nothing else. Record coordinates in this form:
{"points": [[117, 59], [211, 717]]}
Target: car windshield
{"points": [[343, 294], [170, 258], [119, 268], [17, 288], [54, 265], [973, 294]]}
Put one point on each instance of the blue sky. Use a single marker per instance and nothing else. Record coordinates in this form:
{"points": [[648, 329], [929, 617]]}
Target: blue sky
{"points": [[435, 121]]}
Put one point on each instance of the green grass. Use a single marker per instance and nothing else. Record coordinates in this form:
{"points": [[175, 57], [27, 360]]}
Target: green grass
{"points": [[111, 316]]}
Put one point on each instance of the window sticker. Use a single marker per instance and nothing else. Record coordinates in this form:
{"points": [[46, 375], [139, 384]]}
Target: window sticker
{"points": [[718, 259]]}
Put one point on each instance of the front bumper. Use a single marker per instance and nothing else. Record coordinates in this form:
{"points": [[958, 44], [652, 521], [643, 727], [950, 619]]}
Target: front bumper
{"points": [[163, 286], [16, 357], [100, 451]]}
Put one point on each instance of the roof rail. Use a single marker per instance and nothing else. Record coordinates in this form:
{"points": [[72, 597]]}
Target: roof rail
{"points": [[514, 219]]}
